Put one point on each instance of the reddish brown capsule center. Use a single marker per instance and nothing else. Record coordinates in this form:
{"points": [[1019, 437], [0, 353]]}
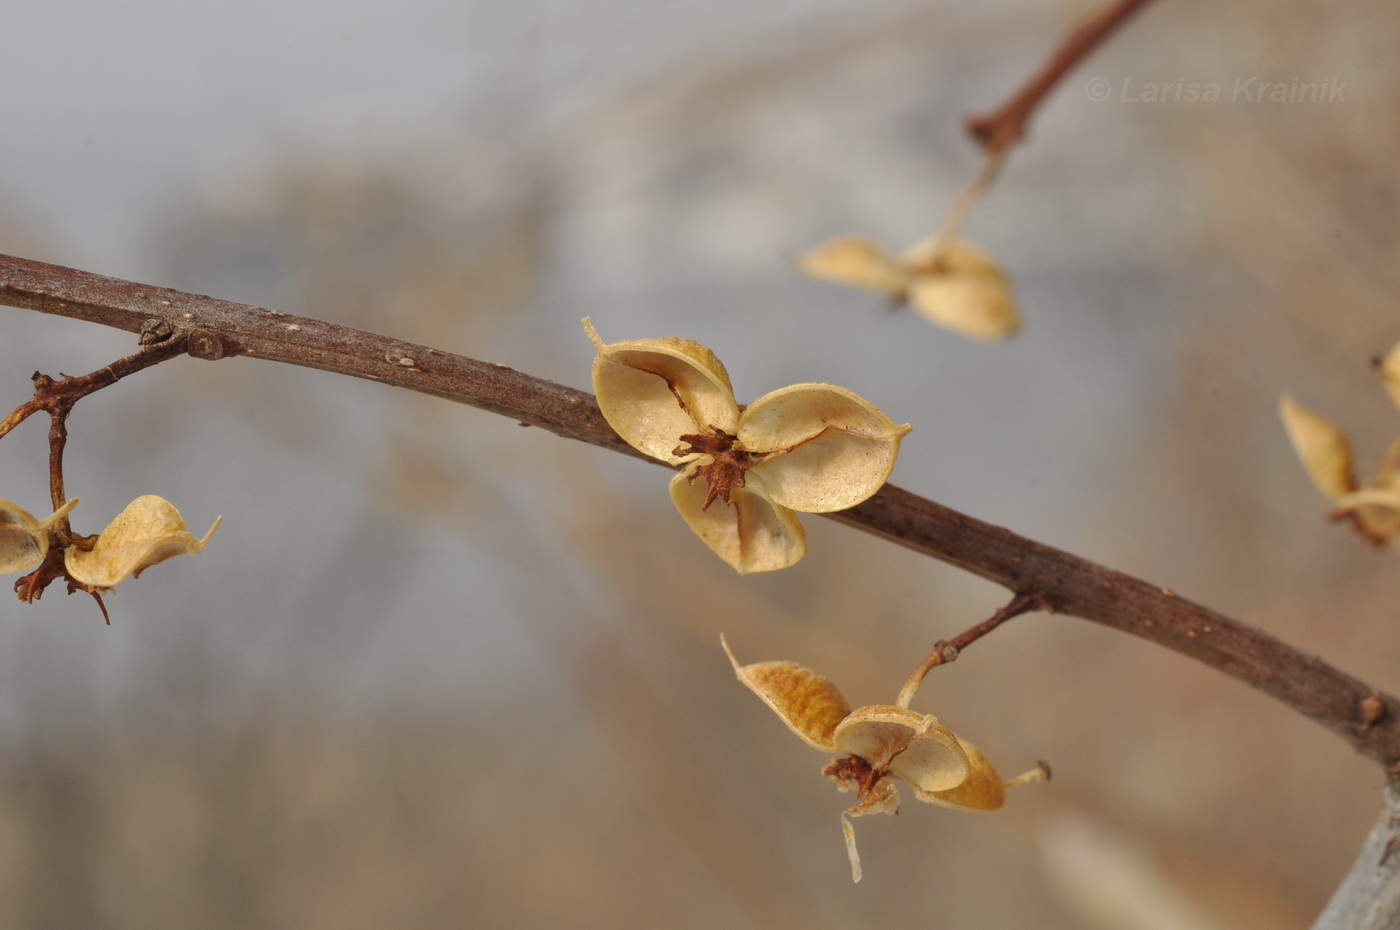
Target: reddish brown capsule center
{"points": [[730, 461], [854, 770]]}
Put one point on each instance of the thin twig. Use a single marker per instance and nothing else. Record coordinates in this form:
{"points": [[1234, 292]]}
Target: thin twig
{"points": [[1004, 127], [1064, 583], [962, 207], [57, 399], [947, 650]]}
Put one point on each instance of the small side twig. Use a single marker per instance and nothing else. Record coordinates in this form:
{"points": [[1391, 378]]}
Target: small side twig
{"points": [[57, 397], [1000, 130], [1004, 127], [962, 207], [947, 650]]}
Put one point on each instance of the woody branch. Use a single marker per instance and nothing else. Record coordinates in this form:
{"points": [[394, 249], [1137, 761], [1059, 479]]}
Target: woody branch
{"points": [[1058, 581]]}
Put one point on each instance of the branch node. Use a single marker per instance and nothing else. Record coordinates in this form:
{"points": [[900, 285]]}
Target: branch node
{"points": [[206, 344], [154, 330], [1372, 710]]}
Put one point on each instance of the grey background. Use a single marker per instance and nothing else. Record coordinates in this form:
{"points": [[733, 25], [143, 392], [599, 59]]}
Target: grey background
{"points": [[437, 670]]}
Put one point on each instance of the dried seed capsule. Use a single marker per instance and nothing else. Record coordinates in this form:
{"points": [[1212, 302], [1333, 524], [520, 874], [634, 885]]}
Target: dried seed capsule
{"points": [[149, 531]]}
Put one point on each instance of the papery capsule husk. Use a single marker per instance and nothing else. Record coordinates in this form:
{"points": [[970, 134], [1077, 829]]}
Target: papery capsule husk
{"points": [[653, 391], [749, 531], [858, 262], [24, 540], [962, 289], [827, 447], [147, 532], [1376, 509], [909, 744], [982, 789], [1321, 446], [1390, 371], [807, 702]]}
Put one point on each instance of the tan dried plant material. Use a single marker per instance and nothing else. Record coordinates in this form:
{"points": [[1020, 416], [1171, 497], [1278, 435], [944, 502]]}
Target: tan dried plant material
{"points": [[1322, 447], [858, 262], [1390, 371], [24, 540], [1373, 508], [878, 745], [1376, 511], [954, 285], [149, 531], [813, 448]]}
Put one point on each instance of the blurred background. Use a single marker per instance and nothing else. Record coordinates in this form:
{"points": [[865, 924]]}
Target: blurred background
{"points": [[437, 670]]}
